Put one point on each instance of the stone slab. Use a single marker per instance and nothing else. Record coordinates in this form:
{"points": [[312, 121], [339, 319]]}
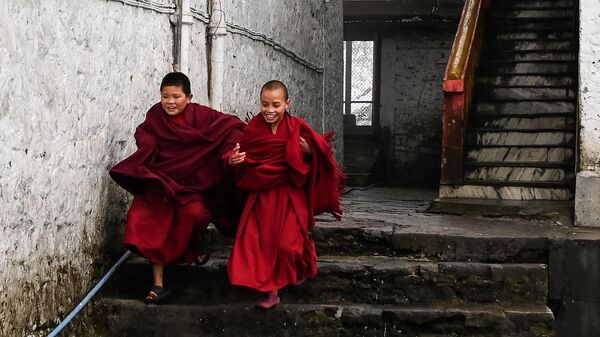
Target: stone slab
{"points": [[291, 320], [587, 199]]}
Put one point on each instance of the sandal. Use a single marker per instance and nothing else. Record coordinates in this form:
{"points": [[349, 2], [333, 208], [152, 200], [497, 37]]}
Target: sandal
{"points": [[269, 302], [202, 261], [156, 295]]}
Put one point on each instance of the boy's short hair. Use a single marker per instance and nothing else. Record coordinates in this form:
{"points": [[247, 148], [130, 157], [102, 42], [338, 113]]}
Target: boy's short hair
{"points": [[274, 85], [176, 79]]}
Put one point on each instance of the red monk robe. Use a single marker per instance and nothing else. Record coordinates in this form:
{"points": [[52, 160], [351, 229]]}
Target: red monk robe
{"points": [[286, 189], [174, 175]]}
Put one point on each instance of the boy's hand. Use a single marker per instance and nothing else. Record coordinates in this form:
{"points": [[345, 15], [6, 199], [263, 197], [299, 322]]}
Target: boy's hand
{"points": [[304, 146], [237, 157]]}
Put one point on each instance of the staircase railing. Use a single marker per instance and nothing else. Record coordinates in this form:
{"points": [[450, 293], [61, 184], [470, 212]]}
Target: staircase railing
{"points": [[458, 88]]}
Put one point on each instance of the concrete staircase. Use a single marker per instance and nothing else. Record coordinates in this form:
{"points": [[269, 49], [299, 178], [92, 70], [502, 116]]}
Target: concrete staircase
{"points": [[375, 278], [522, 128]]}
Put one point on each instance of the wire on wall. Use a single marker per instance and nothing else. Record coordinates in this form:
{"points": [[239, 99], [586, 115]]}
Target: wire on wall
{"points": [[152, 5], [231, 28]]}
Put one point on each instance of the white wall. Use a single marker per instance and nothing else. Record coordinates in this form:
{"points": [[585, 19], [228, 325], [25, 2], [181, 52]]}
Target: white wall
{"points": [[587, 199], [75, 78]]}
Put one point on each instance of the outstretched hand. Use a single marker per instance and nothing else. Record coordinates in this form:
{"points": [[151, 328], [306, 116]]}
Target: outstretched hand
{"points": [[304, 146], [237, 157]]}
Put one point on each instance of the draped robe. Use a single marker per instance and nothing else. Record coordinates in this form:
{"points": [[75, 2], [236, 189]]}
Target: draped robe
{"points": [[286, 188], [175, 174]]}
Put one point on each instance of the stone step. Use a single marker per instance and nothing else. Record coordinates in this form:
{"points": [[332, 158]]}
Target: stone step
{"points": [[528, 107], [500, 122], [528, 68], [538, 209], [525, 56], [529, 24], [527, 80], [536, 13], [532, 35], [533, 45], [420, 236], [544, 4], [363, 279], [492, 191], [547, 138], [522, 154], [525, 94], [129, 318], [430, 238], [520, 174]]}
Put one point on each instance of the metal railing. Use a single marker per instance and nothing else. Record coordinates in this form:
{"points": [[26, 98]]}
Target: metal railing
{"points": [[458, 88]]}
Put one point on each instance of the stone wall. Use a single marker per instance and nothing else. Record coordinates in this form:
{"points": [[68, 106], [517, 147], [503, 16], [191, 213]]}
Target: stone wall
{"points": [[412, 68], [309, 29], [587, 200], [76, 78]]}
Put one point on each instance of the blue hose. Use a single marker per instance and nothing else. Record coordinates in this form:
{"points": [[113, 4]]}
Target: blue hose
{"points": [[89, 296]]}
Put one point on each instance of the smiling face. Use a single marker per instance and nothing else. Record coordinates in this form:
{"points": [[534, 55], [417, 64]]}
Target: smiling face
{"points": [[273, 105], [174, 100]]}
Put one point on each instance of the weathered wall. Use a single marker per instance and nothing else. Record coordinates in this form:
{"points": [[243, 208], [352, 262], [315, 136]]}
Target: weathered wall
{"points": [[75, 78], [412, 68], [587, 201], [310, 29]]}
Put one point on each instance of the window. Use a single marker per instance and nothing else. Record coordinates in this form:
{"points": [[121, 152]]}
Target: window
{"points": [[358, 80]]}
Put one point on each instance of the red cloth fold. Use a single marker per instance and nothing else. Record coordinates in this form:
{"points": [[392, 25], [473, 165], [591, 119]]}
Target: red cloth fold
{"points": [[176, 175], [183, 158], [273, 247]]}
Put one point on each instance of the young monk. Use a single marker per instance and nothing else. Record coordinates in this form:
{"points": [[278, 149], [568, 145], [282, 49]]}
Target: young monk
{"points": [[291, 175], [173, 175]]}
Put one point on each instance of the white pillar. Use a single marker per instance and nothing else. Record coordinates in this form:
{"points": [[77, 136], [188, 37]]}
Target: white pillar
{"points": [[587, 189], [217, 32]]}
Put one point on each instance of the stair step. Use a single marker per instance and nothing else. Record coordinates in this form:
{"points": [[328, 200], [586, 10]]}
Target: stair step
{"points": [[543, 4], [521, 154], [532, 35], [480, 191], [434, 241], [520, 138], [520, 164], [533, 45], [527, 80], [527, 93], [364, 279], [519, 130], [525, 56], [524, 107], [538, 13], [123, 318], [519, 183], [529, 24], [520, 174], [492, 116], [527, 122], [528, 68]]}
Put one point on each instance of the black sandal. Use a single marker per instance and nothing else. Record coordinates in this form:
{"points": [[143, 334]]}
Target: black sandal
{"points": [[160, 294], [203, 261]]}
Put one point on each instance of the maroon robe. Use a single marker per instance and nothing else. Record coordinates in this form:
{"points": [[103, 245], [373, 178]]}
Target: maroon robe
{"points": [[286, 189], [174, 175]]}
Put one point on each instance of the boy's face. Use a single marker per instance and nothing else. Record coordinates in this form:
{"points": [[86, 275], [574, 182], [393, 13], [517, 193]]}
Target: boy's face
{"points": [[174, 100], [273, 105]]}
